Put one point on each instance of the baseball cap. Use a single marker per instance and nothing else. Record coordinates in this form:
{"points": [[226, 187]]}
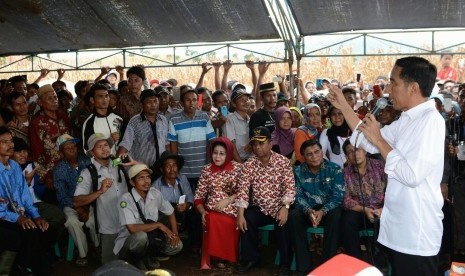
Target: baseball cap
{"points": [[282, 97], [134, 170], [161, 89], [260, 134], [66, 138], [147, 93], [173, 82], [238, 91]]}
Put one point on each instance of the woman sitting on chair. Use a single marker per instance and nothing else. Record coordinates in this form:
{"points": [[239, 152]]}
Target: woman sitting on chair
{"points": [[214, 199]]}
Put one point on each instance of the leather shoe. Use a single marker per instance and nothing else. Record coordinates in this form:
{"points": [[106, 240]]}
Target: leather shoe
{"points": [[244, 267], [283, 271]]}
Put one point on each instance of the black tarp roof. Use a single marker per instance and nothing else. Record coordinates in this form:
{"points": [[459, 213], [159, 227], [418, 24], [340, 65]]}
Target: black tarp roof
{"points": [[326, 16], [57, 25], [37, 26]]}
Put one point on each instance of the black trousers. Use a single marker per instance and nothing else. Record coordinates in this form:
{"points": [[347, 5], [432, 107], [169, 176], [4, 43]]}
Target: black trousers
{"points": [[249, 239], [459, 215], [351, 223], [10, 239], [193, 220], [406, 264], [33, 246], [299, 222]]}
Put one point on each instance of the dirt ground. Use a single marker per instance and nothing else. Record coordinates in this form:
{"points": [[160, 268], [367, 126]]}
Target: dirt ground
{"points": [[185, 264], [182, 264]]}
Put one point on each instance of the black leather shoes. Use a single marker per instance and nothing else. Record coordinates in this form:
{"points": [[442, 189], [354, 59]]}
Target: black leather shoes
{"points": [[283, 271], [245, 267]]}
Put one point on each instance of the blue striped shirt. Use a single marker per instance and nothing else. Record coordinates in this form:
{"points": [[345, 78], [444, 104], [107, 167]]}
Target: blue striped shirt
{"points": [[192, 136]]}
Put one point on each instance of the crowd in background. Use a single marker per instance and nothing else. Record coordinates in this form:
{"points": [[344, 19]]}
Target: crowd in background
{"points": [[136, 164]]}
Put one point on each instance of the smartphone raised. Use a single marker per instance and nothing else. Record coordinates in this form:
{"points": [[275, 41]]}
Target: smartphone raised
{"points": [[199, 101], [224, 111]]}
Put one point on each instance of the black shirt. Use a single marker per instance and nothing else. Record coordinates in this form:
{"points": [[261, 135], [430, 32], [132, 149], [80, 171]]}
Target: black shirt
{"points": [[261, 117]]}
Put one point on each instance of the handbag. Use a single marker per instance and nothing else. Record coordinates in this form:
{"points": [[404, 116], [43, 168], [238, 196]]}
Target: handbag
{"points": [[156, 237]]}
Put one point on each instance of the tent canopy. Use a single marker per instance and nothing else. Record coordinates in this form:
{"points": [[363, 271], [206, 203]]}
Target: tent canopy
{"points": [[59, 25], [322, 16], [38, 26]]}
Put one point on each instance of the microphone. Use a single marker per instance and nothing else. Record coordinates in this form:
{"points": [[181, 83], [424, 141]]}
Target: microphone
{"points": [[380, 105]]}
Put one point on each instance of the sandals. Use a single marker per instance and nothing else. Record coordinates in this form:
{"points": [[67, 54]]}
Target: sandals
{"points": [[221, 265], [81, 262]]}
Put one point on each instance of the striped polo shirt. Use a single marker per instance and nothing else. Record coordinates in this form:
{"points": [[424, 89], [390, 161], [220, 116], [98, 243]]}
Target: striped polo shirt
{"points": [[192, 136], [139, 140]]}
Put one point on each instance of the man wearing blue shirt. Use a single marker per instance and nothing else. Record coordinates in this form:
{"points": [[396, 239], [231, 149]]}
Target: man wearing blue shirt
{"points": [[18, 213], [65, 175], [319, 193]]}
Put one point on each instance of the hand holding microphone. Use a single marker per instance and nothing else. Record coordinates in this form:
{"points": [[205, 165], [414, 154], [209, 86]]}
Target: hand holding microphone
{"points": [[370, 126]]}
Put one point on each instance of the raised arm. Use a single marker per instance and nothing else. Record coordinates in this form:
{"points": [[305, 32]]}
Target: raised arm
{"points": [[103, 71], [61, 73], [43, 73], [216, 66], [120, 71], [262, 68], [226, 67], [250, 64], [205, 70]]}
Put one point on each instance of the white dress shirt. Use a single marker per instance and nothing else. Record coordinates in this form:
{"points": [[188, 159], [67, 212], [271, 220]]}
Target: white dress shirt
{"points": [[411, 221]]}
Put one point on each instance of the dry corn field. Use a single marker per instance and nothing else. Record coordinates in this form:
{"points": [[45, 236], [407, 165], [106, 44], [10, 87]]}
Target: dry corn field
{"points": [[343, 69]]}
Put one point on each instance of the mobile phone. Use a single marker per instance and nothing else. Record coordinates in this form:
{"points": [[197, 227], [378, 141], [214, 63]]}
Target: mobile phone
{"points": [[182, 199], [461, 63], [224, 111], [277, 79], [319, 82], [377, 91], [359, 76], [199, 101], [447, 102]]}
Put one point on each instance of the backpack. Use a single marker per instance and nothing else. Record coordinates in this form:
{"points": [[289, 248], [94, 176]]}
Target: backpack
{"points": [[94, 177]]}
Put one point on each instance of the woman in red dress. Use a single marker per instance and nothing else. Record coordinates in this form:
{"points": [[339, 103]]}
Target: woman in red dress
{"points": [[214, 199]]}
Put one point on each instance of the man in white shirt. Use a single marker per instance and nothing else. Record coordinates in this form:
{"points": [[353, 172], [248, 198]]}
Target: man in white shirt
{"points": [[109, 189], [413, 147]]}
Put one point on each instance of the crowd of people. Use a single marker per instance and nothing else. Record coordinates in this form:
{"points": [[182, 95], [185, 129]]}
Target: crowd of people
{"points": [[136, 164]]}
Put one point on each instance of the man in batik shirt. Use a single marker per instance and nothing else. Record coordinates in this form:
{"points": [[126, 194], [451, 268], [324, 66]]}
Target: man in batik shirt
{"points": [[44, 131], [319, 193], [270, 176]]}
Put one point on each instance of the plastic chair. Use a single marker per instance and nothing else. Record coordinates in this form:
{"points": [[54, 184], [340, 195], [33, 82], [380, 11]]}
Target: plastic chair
{"points": [[70, 249], [320, 230], [265, 233], [366, 233], [265, 236]]}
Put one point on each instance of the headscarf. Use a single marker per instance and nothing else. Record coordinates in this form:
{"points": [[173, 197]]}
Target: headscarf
{"points": [[311, 131], [335, 131], [225, 142], [298, 111], [283, 137]]}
